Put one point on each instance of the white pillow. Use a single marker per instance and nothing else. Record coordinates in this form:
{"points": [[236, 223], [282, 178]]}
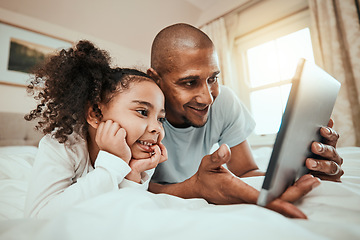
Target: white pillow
{"points": [[17, 149]]}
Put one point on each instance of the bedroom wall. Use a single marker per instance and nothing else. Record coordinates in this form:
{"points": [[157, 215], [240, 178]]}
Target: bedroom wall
{"points": [[39, 15], [15, 99], [124, 28]]}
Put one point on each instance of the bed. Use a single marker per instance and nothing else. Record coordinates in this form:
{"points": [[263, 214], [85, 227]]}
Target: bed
{"points": [[333, 209]]}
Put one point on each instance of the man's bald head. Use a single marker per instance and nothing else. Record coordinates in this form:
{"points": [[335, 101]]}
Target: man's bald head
{"points": [[173, 40]]}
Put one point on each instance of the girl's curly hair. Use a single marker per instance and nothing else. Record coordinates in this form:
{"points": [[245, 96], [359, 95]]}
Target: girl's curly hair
{"points": [[70, 82]]}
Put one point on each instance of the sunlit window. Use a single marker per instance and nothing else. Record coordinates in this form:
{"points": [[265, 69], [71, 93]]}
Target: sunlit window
{"points": [[271, 66]]}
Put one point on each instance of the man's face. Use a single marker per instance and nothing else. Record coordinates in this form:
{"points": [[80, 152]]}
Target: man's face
{"points": [[190, 87]]}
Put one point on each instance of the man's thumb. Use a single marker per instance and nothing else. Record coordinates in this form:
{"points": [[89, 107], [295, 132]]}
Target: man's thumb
{"points": [[222, 155]]}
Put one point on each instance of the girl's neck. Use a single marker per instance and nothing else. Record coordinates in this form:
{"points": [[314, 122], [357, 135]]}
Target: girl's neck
{"points": [[92, 146]]}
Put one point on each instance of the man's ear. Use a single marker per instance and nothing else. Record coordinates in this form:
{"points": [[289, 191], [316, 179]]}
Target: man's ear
{"points": [[91, 117], [154, 75]]}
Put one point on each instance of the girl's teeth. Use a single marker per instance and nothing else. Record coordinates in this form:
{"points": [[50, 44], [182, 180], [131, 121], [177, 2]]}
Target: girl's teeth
{"points": [[145, 143]]}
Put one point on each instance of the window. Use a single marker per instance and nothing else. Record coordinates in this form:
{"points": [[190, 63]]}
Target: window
{"points": [[268, 59]]}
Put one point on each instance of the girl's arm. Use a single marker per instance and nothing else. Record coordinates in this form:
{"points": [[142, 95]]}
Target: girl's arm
{"points": [[60, 179]]}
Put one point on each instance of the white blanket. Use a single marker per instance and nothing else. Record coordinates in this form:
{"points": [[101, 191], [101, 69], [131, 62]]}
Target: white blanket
{"points": [[333, 210]]}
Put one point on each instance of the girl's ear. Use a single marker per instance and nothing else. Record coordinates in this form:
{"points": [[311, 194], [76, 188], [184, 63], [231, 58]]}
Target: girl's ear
{"points": [[154, 75], [91, 117]]}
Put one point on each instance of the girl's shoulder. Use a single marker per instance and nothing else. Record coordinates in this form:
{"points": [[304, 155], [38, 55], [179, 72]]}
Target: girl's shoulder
{"points": [[75, 148]]}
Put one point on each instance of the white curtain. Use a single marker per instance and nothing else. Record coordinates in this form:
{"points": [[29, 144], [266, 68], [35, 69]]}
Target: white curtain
{"points": [[336, 39], [217, 32]]}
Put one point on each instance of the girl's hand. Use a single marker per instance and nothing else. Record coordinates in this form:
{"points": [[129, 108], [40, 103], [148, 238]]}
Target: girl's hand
{"points": [[110, 137], [164, 155], [140, 165]]}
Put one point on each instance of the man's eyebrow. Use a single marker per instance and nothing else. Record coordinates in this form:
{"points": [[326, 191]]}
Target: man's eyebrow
{"points": [[216, 73], [195, 77], [191, 77]]}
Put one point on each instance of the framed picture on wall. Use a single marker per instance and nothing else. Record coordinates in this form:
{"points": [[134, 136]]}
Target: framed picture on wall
{"points": [[21, 50]]}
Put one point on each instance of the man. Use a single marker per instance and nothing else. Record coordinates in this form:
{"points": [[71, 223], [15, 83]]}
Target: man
{"points": [[201, 113]]}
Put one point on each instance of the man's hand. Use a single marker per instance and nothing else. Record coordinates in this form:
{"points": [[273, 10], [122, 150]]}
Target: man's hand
{"points": [[140, 165], [110, 137], [328, 165], [217, 185]]}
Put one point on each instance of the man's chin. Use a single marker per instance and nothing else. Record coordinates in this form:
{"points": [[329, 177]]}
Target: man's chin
{"points": [[196, 124]]}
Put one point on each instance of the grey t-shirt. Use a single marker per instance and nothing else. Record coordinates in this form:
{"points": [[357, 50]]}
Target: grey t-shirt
{"points": [[228, 122]]}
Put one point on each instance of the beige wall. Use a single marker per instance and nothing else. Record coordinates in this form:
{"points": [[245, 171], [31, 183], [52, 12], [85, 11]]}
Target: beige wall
{"points": [[130, 23], [123, 24], [15, 99]]}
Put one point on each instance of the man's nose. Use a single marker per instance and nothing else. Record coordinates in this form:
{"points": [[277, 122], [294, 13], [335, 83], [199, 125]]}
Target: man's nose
{"points": [[204, 95]]}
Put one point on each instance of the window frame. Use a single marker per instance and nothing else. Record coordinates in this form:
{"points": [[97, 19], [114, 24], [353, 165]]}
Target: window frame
{"points": [[271, 31]]}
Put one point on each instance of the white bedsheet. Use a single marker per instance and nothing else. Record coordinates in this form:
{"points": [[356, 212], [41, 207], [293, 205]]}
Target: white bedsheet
{"points": [[333, 210]]}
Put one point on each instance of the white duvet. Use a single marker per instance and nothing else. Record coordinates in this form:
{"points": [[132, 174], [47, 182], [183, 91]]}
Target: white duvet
{"points": [[333, 210]]}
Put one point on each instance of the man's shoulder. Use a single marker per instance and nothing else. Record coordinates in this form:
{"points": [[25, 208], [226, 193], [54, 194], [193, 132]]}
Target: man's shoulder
{"points": [[226, 94], [225, 98], [228, 107]]}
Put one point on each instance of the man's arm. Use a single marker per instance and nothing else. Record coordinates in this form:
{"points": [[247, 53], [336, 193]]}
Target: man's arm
{"points": [[242, 163], [217, 185], [186, 189]]}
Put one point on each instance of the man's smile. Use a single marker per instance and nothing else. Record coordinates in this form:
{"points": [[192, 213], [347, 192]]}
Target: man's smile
{"points": [[199, 110]]}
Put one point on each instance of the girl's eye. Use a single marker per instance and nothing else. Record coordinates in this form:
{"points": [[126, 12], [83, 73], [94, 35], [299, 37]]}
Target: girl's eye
{"points": [[162, 120], [143, 112]]}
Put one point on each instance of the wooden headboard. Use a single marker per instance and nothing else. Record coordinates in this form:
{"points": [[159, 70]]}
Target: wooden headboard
{"points": [[15, 130]]}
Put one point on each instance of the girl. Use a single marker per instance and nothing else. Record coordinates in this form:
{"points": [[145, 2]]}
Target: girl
{"points": [[103, 129]]}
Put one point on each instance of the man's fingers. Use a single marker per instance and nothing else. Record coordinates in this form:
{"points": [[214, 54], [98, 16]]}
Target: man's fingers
{"points": [[301, 187], [235, 191], [303, 178], [327, 152], [330, 123], [222, 155], [327, 167], [330, 136], [243, 193], [285, 208]]}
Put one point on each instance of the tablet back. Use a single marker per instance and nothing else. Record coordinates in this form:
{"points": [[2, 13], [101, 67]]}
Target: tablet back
{"points": [[309, 107]]}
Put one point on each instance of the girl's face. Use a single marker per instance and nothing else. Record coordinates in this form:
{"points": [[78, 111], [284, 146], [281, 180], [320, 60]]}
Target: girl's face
{"points": [[140, 111]]}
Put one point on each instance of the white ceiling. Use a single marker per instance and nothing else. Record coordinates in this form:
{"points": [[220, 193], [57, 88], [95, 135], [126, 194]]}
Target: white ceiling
{"points": [[129, 23], [203, 5]]}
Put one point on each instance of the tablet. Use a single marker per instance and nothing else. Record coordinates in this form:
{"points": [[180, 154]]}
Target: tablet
{"points": [[309, 107]]}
